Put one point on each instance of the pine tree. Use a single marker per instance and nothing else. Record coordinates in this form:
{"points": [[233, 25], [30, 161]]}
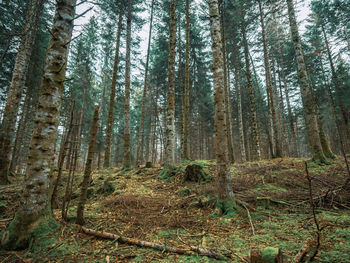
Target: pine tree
{"points": [[34, 211]]}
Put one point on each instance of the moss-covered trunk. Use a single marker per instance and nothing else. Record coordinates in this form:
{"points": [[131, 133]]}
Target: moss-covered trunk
{"points": [[34, 212]]}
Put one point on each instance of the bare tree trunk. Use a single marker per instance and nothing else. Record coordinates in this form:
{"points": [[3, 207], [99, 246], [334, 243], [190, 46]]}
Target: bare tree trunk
{"points": [[256, 154], [226, 87], [88, 169], [289, 108], [19, 75], [336, 84], [127, 145], [109, 132], [306, 90], [278, 149], [169, 153], [222, 161], [140, 141], [237, 69], [34, 211], [66, 141], [186, 151]]}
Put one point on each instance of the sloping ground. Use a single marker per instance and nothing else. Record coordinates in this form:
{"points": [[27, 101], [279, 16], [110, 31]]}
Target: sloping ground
{"points": [[153, 206]]}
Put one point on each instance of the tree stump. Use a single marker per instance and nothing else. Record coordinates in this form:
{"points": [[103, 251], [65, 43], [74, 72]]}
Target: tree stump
{"points": [[148, 165], [266, 255], [195, 173]]}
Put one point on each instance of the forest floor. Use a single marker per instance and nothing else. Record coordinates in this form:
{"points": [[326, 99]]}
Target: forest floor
{"points": [[149, 205]]}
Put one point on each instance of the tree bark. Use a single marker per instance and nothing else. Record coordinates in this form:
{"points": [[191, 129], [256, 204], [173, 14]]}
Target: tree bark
{"points": [[19, 75], [88, 168], [306, 90], [222, 162], [186, 119], [255, 154], [278, 150], [140, 143], [237, 71], [169, 154], [109, 132], [127, 146], [227, 87], [34, 212]]}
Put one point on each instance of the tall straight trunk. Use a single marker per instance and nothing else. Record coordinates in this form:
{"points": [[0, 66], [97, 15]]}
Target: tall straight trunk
{"points": [[88, 168], [278, 149], [306, 90], [237, 71], [169, 154], [34, 211], [127, 145], [284, 128], [7, 130], [110, 120], [186, 119], [21, 130], [336, 84], [66, 141], [255, 154], [140, 142], [226, 87], [289, 108], [221, 144]]}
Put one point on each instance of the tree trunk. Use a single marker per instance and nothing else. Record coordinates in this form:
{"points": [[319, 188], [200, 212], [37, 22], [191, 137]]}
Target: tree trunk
{"points": [[169, 154], [140, 142], [222, 161], [237, 71], [336, 84], [227, 87], [306, 90], [278, 150], [289, 108], [19, 75], [34, 215], [255, 154], [186, 119], [109, 132], [62, 155], [88, 169], [127, 145]]}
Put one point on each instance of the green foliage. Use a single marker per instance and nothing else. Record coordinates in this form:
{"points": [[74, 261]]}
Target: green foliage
{"points": [[168, 173]]}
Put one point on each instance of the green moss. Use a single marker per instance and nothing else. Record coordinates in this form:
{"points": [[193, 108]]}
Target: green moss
{"points": [[107, 188], [168, 173], [226, 208], [269, 254], [184, 192]]}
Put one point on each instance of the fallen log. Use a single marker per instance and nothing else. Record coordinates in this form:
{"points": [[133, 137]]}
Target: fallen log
{"points": [[158, 246]]}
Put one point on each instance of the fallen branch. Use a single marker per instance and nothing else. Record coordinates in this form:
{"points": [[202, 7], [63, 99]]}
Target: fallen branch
{"points": [[301, 256], [157, 246]]}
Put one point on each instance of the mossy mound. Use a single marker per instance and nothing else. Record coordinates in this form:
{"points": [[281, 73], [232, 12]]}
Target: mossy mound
{"points": [[168, 173], [196, 173], [107, 188]]}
